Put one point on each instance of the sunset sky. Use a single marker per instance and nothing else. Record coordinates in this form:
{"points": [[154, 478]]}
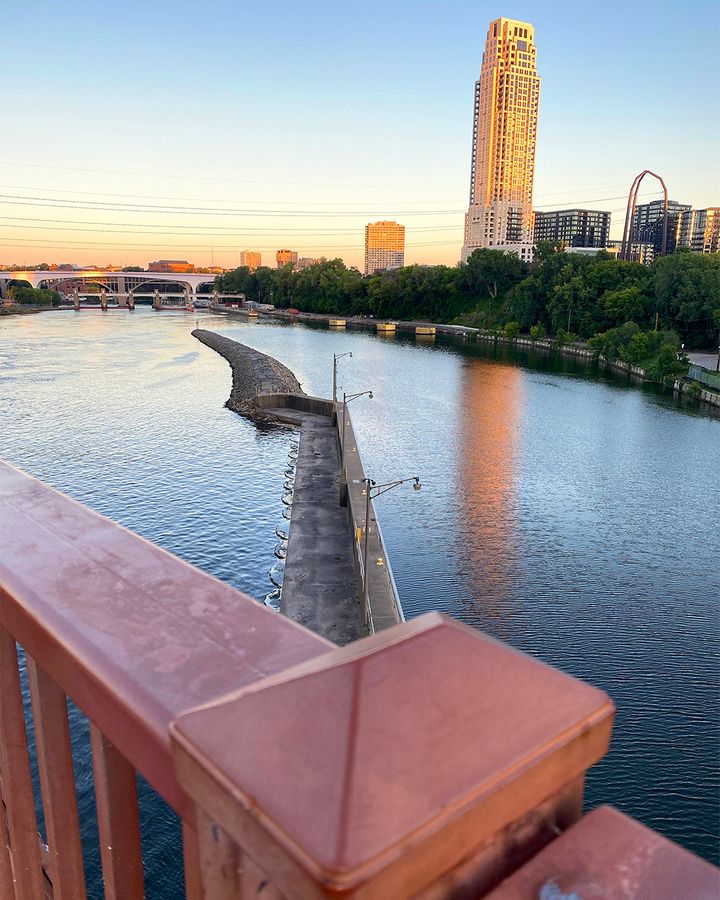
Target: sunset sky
{"points": [[178, 130]]}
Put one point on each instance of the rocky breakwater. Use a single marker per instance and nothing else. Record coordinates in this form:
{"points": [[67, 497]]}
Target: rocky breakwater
{"points": [[253, 373]]}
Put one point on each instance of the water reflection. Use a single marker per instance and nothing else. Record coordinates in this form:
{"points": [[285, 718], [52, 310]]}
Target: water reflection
{"points": [[491, 398]]}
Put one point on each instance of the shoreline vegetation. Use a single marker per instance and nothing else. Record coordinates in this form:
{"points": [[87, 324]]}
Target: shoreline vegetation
{"points": [[640, 318]]}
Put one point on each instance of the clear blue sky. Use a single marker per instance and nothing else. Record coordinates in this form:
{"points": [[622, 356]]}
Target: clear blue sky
{"points": [[359, 110]]}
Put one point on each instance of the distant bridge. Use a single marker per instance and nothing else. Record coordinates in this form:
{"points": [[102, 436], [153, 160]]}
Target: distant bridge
{"points": [[119, 286]]}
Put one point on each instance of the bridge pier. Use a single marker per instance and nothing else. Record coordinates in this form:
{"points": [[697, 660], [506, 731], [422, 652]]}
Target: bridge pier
{"points": [[156, 299], [76, 299], [130, 301], [103, 301]]}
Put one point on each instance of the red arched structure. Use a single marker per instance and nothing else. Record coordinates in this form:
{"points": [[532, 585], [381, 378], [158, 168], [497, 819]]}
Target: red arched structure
{"points": [[627, 241]]}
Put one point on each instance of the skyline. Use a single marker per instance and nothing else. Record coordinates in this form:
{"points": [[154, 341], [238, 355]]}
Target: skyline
{"points": [[342, 150]]}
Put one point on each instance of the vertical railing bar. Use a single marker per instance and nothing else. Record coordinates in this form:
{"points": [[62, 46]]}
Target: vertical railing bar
{"points": [[191, 857], [118, 820], [7, 888], [17, 782], [219, 860], [57, 784]]}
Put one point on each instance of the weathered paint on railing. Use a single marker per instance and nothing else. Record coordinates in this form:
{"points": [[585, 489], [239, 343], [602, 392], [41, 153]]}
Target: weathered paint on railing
{"points": [[165, 636]]}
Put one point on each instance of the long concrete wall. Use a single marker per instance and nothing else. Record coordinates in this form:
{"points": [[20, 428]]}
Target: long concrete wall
{"points": [[324, 569], [384, 604]]}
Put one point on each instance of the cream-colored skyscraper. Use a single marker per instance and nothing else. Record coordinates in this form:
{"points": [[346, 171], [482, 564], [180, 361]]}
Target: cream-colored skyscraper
{"points": [[251, 258], [384, 246], [505, 117]]}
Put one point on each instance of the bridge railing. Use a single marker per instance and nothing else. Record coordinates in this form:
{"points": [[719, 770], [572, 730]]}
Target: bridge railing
{"points": [[428, 761]]}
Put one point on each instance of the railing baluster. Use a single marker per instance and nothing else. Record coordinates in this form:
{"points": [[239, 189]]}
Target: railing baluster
{"points": [[191, 857], [57, 783], [118, 820], [7, 889], [17, 783], [219, 860]]}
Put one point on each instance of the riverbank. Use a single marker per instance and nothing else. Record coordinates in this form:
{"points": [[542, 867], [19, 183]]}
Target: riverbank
{"points": [[17, 310], [466, 333]]}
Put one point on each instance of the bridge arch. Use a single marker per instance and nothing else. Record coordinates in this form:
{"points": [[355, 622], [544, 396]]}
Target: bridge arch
{"points": [[627, 241], [154, 283], [53, 284]]}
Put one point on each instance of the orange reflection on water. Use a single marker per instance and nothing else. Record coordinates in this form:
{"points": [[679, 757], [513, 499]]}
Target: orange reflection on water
{"points": [[491, 398]]}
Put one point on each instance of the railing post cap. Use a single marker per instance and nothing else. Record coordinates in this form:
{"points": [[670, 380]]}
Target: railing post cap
{"points": [[367, 756]]}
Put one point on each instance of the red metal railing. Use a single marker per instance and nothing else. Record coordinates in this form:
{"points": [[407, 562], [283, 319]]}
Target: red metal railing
{"points": [[425, 761]]}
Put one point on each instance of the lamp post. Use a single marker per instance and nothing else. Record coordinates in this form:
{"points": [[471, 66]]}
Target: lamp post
{"points": [[336, 357], [346, 399], [370, 487]]}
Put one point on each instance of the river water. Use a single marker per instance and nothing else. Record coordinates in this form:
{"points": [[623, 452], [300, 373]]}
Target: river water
{"points": [[567, 512]]}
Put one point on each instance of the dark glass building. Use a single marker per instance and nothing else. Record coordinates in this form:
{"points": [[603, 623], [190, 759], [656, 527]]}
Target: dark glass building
{"points": [[647, 224], [574, 227]]}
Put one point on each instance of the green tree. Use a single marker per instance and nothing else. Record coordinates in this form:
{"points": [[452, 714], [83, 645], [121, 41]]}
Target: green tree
{"points": [[30, 296], [687, 295], [490, 273]]}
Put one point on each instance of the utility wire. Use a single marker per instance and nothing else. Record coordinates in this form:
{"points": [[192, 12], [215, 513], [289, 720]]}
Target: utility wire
{"points": [[52, 202]]}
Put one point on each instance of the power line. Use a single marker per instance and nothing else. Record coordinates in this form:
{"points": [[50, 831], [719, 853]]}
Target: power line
{"points": [[191, 229], [69, 245], [220, 179], [23, 187], [51, 202]]}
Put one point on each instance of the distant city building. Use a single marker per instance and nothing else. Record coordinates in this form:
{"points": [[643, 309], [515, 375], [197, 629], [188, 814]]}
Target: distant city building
{"points": [[574, 227], [283, 257], [251, 258], [384, 246], [171, 265], [643, 251], [647, 224], [699, 229], [500, 215], [305, 261], [585, 251]]}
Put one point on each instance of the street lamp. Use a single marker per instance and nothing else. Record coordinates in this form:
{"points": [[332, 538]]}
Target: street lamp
{"points": [[346, 399], [336, 357], [373, 490]]}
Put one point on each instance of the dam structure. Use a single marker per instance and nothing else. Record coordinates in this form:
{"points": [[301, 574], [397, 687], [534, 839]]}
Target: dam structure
{"points": [[323, 586]]}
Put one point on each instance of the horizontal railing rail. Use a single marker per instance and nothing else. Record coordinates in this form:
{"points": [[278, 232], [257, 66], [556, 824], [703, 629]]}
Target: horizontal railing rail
{"points": [[134, 636]]}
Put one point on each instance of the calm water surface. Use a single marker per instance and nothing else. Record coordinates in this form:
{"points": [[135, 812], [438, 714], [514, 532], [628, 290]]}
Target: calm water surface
{"points": [[568, 513]]}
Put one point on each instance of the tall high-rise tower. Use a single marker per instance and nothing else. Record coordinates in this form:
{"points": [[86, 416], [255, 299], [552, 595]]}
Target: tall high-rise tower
{"points": [[384, 246], [505, 117]]}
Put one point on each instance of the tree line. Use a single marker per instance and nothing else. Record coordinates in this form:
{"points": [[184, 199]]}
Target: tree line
{"points": [[571, 295]]}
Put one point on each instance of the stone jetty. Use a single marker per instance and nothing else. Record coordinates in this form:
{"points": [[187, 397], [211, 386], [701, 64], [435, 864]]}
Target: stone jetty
{"points": [[253, 373]]}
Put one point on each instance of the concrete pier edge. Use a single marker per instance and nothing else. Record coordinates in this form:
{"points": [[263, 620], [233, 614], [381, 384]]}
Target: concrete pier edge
{"points": [[324, 570]]}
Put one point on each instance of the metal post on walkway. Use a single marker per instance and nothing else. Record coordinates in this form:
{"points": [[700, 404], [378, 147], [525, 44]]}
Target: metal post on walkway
{"points": [[336, 357], [346, 399], [370, 485]]}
